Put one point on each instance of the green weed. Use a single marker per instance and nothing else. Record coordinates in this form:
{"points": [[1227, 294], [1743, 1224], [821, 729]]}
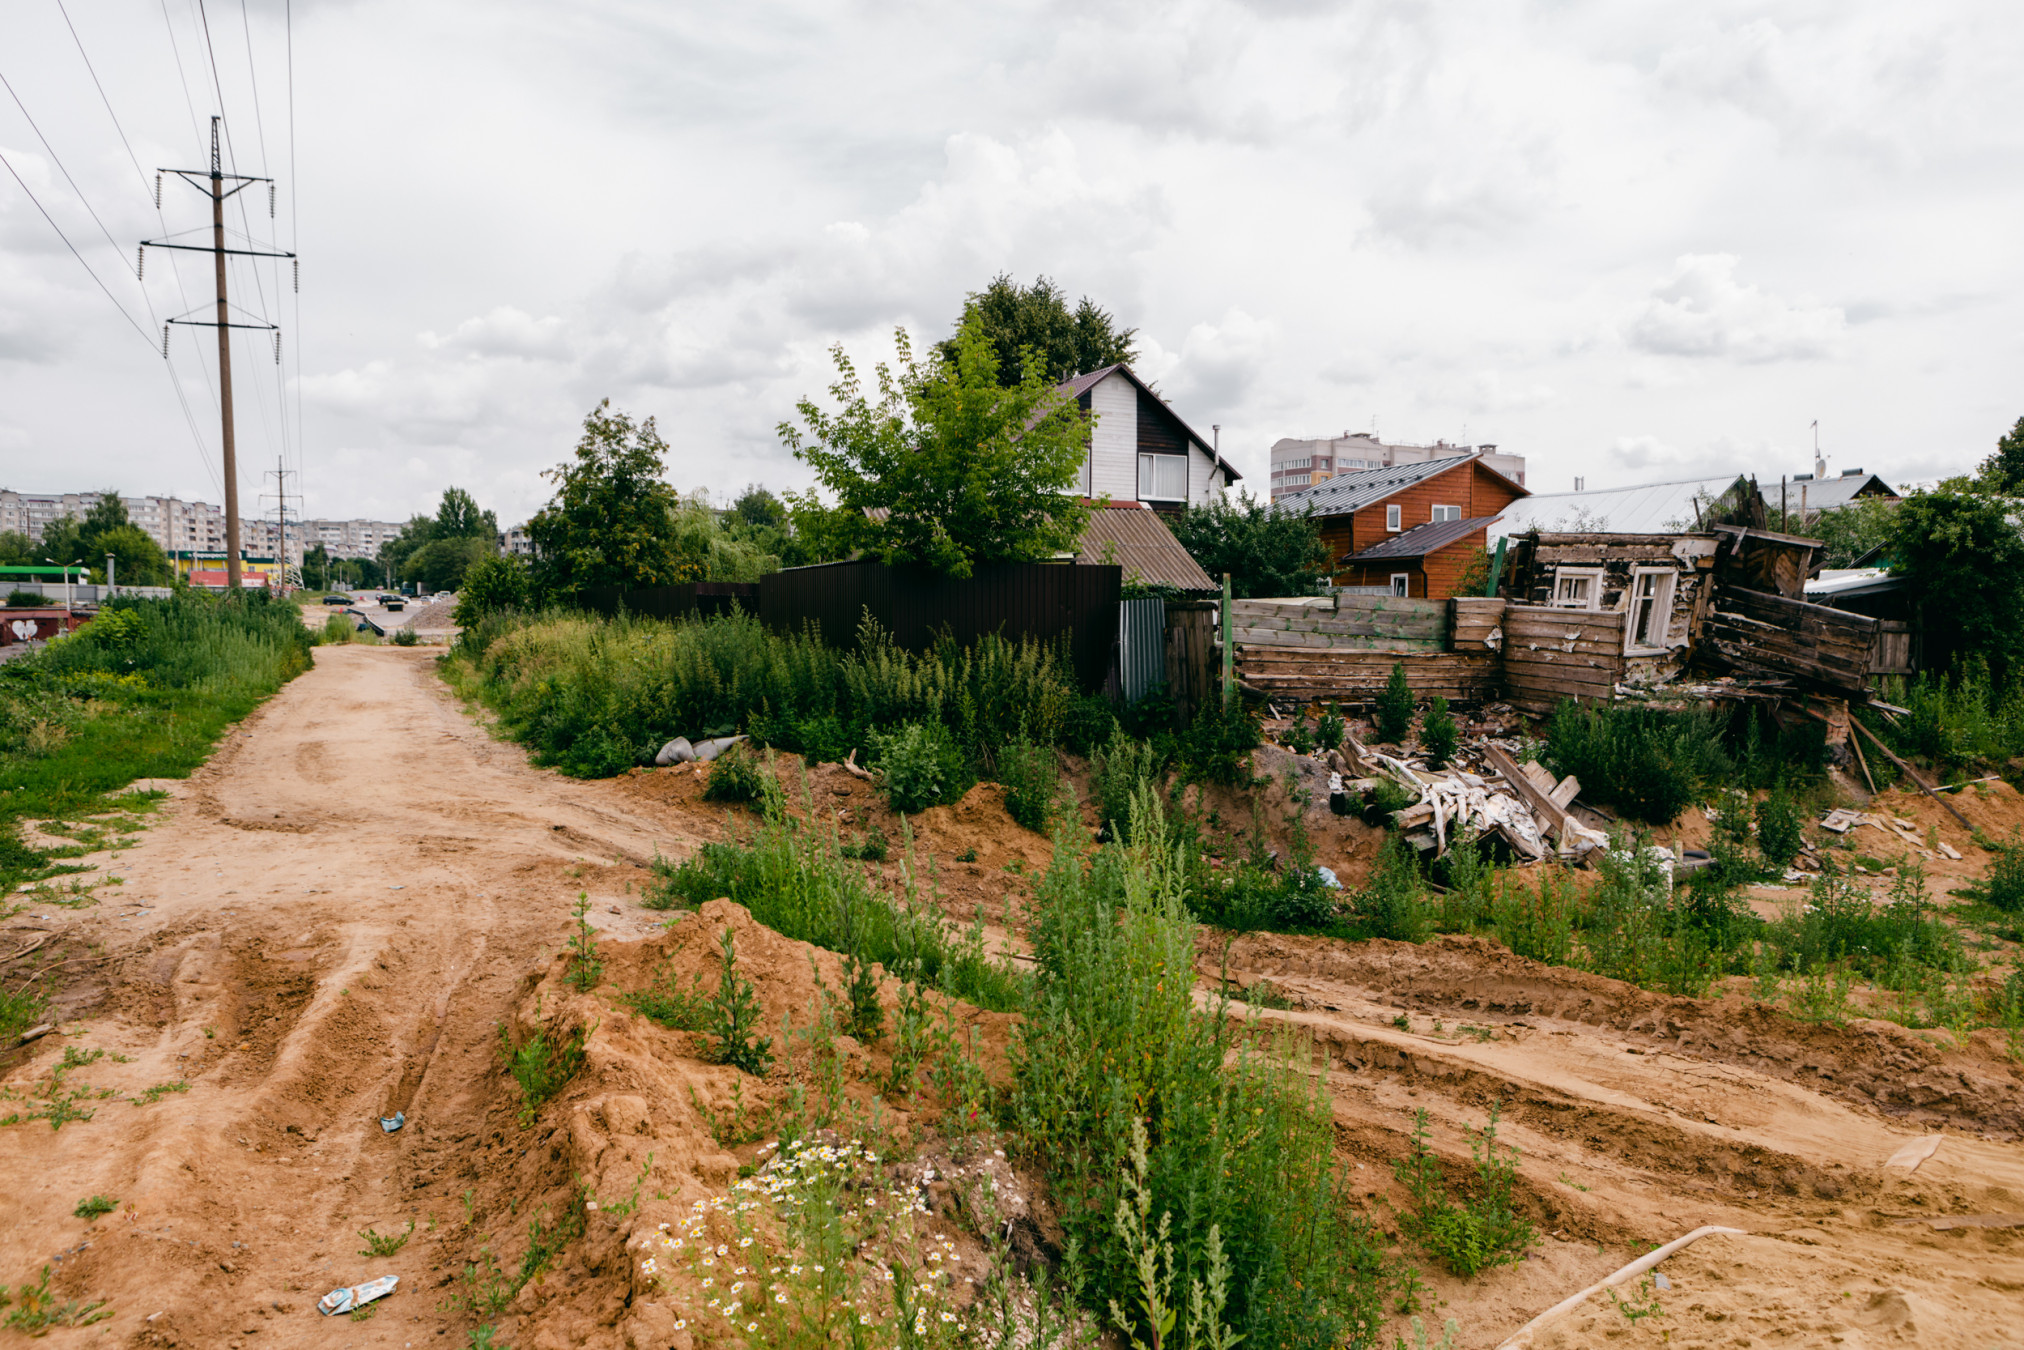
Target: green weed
{"points": [[1393, 714], [384, 1244], [1439, 735], [1031, 780], [542, 1067], [676, 1009], [37, 1309], [735, 776], [1471, 1235], [92, 1207], [733, 1015], [585, 969]]}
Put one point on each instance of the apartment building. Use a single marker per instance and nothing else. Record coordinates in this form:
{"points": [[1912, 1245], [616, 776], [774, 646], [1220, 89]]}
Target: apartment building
{"points": [[198, 527], [1299, 464]]}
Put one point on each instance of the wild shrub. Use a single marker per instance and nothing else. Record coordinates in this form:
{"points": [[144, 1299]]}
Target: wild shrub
{"points": [[1633, 931], [736, 775], [1152, 714], [1467, 874], [1843, 925], [1299, 738], [1253, 897], [1478, 1233], [734, 1014], [405, 637], [1113, 1026], [1439, 736], [1119, 769], [674, 1008], [1536, 921], [1779, 829], [873, 847], [336, 629], [585, 968], [1086, 723], [1393, 901], [2002, 884], [1383, 799], [1328, 731], [1031, 780], [918, 766], [794, 879], [1217, 745], [1649, 763], [1394, 711], [541, 1066]]}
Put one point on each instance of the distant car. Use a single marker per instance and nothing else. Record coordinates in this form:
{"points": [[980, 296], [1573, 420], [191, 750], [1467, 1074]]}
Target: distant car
{"points": [[336, 599], [395, 602]]}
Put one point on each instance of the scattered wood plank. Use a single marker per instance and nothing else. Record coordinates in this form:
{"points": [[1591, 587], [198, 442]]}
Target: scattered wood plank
{"points": [[1912, 774]]}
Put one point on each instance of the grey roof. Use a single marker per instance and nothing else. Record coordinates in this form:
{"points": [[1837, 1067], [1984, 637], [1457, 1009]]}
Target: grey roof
{"points": [[1653, 508], [1139, 541], [1348, 492], [1824, 494], [1075, 386], [1421, 540]]}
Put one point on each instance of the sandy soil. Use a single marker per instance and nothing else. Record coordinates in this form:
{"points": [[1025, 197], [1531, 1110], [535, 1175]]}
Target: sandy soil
{"points": [[336, 917]]}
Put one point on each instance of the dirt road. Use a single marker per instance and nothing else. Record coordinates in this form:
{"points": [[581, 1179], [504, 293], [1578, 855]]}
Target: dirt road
{"points": [[335, 914], [323, 930]]}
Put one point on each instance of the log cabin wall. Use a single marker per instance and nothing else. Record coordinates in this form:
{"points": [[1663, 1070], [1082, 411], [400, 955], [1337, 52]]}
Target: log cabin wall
{"points": [[1551, 654], [1615, 562]]}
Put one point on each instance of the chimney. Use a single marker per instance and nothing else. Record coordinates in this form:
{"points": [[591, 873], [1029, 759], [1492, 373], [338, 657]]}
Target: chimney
{"points": [[1581, 485]]}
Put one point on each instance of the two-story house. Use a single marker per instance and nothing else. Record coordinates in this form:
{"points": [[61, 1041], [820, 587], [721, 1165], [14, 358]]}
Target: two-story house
{"points": [[1411, 528], [1140, 450]]}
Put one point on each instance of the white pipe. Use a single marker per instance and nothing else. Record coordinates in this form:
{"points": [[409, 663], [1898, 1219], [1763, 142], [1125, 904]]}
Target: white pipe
{"points": [[1523, 1336]]}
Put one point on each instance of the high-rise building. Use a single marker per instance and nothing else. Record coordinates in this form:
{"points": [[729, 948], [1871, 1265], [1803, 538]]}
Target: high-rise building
{"points": [[1299, 464], [198, 527]]}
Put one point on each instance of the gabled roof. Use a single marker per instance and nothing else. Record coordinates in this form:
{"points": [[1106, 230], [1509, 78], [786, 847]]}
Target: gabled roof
{"points": [[1137, 540], [1828, 494], [1420, 541], [1077, 385], [1348, 492], [1654, 508]]}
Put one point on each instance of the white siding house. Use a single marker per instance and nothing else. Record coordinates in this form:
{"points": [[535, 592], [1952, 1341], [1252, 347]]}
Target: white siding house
{"points": [[1140, 449]]}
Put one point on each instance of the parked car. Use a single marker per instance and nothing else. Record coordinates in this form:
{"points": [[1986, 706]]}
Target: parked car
{"points": [[336, 599], [396, 602]]}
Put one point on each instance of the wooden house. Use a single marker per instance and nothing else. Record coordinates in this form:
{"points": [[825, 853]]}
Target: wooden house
{"points": [[1426, 562], [1140, 450], [1360, 511], [1660, 585]]}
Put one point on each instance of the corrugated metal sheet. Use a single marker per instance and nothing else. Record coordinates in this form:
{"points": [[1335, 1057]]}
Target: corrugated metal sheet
{"points": [[1823, 494], [1654, 508], [1348, 492], [1141, 655], [1421, 540], [1139, 542]]}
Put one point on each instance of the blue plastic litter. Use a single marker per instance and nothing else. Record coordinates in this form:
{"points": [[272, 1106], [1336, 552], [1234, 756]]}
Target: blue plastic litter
{"points": [[394, 1121]]}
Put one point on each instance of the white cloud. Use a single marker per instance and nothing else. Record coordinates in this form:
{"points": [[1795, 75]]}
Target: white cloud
{"points": [[1701, 309]]}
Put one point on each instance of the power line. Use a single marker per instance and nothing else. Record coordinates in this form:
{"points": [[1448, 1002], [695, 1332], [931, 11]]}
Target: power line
{"points": [[294, 244], [131, 156], [145, 335], [58, 161]]}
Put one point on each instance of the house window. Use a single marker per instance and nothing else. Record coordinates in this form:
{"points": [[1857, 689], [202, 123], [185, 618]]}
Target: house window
{"points": [[1163, 478], [1447, 512], [1391, 517], [1577, 588], [1402, 584], [1651, 607]]}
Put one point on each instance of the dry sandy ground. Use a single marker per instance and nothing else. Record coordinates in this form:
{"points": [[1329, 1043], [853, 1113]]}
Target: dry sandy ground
{"points": [[335, 917]]}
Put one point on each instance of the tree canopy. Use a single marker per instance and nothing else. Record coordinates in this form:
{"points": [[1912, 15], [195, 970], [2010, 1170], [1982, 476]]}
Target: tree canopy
{"points": [[2003, 471], [1963, 554], [611, 521], [436, 550], [948, 469], [1017, 320], [1266, 552]]}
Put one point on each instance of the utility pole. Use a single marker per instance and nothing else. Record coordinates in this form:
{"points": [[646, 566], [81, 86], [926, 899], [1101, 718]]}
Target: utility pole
{"points": [[213, 183], [279, 473]]}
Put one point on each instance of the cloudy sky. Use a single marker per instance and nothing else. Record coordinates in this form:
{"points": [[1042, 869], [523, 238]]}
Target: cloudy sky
{"points": [[1629, 241]]}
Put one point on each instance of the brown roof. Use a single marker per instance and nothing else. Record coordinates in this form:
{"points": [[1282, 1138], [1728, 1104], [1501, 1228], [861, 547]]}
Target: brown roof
{"points": [[1421, 540], [1136, 539]]}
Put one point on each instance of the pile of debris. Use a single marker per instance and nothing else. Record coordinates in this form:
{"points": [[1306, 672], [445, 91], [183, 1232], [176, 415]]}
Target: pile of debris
{"points": [[1841, 821], [1485, 792]]}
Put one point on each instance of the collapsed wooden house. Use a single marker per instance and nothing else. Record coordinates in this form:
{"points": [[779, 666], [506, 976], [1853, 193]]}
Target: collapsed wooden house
{"points": [[1587, 616]]}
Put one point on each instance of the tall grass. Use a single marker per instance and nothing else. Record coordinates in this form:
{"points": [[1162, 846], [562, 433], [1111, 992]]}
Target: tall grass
{"points": [[1240, 1133], [794, 879], [142, 691], [1649, 763], [594, 696]]}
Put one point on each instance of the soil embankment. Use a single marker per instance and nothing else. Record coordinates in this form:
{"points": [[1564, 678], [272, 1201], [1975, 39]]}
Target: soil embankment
{"points": [[334, 919]]}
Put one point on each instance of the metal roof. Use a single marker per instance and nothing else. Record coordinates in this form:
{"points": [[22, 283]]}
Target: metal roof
{"points": [[1654, 508], [1075, 386], [1824, 494], [1853, 581], [1136, 539], [1421, 540], [1348, 492]]}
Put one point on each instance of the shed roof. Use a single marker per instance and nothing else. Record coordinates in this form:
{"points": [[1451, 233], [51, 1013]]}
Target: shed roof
{"points": [[1421, 540], [1653, 508], [1136, 539], [1347, 492], [1075, 386]]}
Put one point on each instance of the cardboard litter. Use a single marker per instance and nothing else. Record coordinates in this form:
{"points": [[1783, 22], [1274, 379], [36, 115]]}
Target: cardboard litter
{"points": [[344, 1300]]}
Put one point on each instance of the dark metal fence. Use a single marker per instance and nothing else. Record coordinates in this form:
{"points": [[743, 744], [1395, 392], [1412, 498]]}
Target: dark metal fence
{"points": [[1044, 601], [705, 598]]}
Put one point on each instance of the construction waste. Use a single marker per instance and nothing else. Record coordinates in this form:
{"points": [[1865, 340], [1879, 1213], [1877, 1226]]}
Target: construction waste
{"points": [[1485, 792]]}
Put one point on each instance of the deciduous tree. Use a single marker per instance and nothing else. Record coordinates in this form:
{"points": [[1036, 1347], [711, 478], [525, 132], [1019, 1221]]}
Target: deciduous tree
{"points": [[610, 521], [1266, 551], [1017, 320]]}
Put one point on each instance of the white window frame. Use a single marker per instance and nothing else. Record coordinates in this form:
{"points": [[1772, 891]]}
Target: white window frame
{"points": [[1402, 585], [1561, 575], [1148, 473], [1392, 514], [1451, 512], [1664, 580]]}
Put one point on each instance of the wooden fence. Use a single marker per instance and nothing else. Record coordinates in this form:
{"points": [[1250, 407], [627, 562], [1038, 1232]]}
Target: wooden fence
{"points": [[1045, 601], [1551, 654], [1366, 623]]}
